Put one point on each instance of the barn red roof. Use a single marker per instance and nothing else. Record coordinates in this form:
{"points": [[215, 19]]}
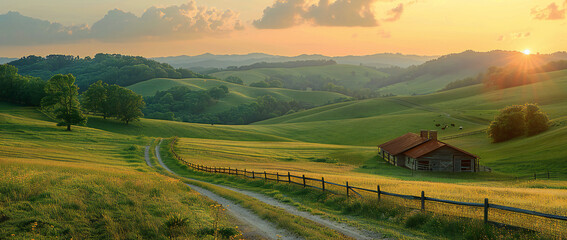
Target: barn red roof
{"points": [[415, 146], [402, 143]]}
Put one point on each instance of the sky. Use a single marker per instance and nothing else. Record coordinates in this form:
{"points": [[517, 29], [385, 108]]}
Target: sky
{"points": [[156, 28]]}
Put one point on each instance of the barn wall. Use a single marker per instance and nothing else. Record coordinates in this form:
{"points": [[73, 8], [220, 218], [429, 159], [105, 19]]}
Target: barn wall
{"points": [[447, 159]]}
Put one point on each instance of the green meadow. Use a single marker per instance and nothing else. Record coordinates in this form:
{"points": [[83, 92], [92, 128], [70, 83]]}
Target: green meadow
{"points": [[350, 76], [88, 181], [238, 94]]}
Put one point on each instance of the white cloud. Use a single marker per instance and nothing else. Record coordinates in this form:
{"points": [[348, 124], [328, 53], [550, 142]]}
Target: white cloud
{"points": [[183, 21]]}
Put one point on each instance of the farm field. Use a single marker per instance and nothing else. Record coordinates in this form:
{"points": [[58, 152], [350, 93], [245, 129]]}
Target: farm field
{"points": [[238, 94], [88, 183], [350, 76]]}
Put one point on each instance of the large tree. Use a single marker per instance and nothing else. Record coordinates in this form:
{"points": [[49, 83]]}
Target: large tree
{"points": [[61, 98], [95, 98]]}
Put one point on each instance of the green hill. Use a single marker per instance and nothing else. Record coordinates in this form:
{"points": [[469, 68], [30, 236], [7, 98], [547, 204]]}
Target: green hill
{"points": [[239, 94], [349, 76], [435, 74]]}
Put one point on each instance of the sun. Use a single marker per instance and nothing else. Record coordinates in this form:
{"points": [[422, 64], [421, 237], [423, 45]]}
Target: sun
{"points": [[526, 51]]}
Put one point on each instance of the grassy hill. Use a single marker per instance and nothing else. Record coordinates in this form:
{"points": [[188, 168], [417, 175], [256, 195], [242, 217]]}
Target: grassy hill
{"points": [[84, 184], [239, 94], [374, 121], [436, 74], [349, 76]]}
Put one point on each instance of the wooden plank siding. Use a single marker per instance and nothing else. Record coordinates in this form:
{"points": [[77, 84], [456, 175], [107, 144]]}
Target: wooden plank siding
{"points": [[444, 159]]}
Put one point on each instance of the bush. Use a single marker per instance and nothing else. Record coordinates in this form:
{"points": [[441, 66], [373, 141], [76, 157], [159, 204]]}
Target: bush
{"points": [[518, 120]]}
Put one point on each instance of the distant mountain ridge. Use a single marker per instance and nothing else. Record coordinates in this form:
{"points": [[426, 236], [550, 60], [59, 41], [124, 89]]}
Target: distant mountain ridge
{"points": [[208, 60], [4, 60]]}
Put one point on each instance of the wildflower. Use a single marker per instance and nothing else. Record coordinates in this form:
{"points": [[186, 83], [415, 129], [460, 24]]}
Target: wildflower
{"points": [[13, 234]]}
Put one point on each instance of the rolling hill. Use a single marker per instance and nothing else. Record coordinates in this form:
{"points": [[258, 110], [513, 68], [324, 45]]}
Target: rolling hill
{"points": [[435, 74], [208, 60], [238, 94], [349, 76]]}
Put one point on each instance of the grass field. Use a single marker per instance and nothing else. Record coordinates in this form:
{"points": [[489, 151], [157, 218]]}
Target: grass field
{"points": [[88, 183], [239, 94], [349, 76]]}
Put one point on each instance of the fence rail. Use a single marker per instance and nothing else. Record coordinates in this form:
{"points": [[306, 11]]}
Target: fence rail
{"points": [[287, 178]]}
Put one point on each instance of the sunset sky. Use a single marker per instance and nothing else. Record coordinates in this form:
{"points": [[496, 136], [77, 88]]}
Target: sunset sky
{"points": [[155, 28]]}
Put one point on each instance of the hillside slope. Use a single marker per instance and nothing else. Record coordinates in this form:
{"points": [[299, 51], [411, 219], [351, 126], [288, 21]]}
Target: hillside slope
{"points": [[349, 76], [436, 74], [238, 94]]}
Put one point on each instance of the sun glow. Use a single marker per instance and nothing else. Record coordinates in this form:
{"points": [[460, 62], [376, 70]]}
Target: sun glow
{"points": [[526, 51]]}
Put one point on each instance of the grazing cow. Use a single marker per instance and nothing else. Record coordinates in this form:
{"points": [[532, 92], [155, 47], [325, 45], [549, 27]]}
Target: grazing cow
{"points": [[452, 124], [443, 128], [437, 125], [461, 128]]}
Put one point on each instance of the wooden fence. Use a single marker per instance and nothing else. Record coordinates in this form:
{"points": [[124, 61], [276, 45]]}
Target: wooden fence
{"points": [[352, 191]]}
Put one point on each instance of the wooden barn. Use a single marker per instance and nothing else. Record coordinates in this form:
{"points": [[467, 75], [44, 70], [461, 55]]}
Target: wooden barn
{"points": [[424, 152]]}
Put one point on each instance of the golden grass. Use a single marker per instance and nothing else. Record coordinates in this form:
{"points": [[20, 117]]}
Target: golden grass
{"points": [[274, 157], [88, 184]]}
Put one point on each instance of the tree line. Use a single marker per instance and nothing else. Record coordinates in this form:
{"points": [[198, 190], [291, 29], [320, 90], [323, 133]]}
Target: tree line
{"points": [[60, 96], [112, 68], [183, 104], [289, 64]]}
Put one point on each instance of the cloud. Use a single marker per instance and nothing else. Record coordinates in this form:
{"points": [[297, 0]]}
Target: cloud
{"points": [[343, 13], [395, 13], [551, 12], [186, 20], [514, 36], [289, 13], [282, 14], [21, 30], [174, 22]]}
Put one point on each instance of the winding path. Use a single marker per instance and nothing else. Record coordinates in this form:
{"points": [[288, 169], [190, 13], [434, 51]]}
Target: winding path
{"points": [[254, 226], [339, 227]]}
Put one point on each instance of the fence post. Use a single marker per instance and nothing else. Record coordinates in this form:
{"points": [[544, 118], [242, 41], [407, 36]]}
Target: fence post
{"points": [[378, 189], [323, 183], [535, 176], [236, 170], [265, 175], [288, 177], [347, 189], [253, 174], [422, 201], [486, 210], [228, 170], [277, 177], [304, 181], [245, 172]]}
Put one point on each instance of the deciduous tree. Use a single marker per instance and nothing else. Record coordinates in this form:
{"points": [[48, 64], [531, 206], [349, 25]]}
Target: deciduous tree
{"points": [[62, 99]]}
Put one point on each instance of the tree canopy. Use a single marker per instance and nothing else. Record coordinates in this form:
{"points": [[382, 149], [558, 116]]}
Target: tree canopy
{"points": [[20, 89], [518, 120], [113, 101], [110, 68], [61, 99]]}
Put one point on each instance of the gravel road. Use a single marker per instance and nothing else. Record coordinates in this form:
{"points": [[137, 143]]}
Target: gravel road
{"points": [[339, 227], [253, 226]]}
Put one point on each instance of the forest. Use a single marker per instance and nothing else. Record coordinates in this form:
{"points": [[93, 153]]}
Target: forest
{"points": [[110, 68], [183, 104]]}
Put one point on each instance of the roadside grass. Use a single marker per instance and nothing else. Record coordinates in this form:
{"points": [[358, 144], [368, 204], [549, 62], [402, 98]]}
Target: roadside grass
{"points": [[500, 189], [89, 183], [298, 225], [387, 216]]}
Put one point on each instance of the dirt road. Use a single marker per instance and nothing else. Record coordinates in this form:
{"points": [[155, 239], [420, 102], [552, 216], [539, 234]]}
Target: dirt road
{"points": [[339, 227]]}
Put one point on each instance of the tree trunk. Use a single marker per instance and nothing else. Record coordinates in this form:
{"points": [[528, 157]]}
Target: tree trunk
{"points": [[68, 127]]}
